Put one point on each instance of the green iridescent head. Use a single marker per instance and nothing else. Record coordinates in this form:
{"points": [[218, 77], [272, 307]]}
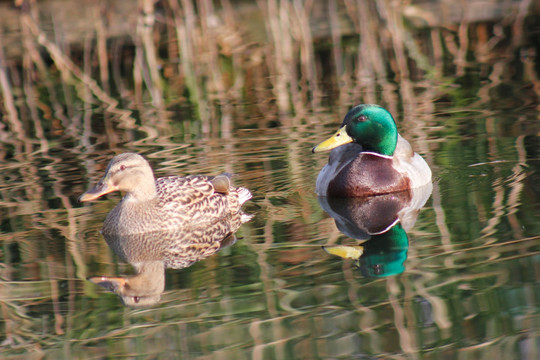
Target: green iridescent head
{"points": [[371, 126]]}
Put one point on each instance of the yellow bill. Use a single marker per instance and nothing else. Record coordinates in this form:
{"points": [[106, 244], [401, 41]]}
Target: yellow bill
{"points": [[345, 251], [339, 138]]}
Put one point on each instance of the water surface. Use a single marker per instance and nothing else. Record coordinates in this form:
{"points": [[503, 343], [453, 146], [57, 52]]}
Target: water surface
{"points": [[201, 93]]}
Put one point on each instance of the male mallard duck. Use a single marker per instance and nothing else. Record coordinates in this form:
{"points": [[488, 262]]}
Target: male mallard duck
{"points": [[369, 157], [166, 203]]}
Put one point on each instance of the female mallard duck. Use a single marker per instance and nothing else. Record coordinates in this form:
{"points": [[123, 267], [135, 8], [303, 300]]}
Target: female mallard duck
{"points": [[164, 204], [369, 157]]}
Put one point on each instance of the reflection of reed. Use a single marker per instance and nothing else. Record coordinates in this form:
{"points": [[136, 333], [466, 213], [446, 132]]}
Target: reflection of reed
{"points": [[68, 67], [8, 100]]}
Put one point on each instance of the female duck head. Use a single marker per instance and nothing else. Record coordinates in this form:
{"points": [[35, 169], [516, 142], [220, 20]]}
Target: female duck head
{"points": [[129, 173], [371, 126]]}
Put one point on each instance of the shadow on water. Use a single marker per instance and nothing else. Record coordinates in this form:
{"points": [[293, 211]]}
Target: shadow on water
{"points": [[249, 88]]}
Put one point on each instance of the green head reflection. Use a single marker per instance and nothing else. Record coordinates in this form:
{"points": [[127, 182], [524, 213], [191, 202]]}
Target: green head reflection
{"points": [[378, 224], [385, 254]]}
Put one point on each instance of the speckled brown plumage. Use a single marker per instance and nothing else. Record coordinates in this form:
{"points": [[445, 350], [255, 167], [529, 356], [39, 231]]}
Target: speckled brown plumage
{"points": [[179, 247], [180, 202]]}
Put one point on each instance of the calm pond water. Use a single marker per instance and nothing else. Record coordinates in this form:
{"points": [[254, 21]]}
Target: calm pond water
{"points": [[249, 88]]}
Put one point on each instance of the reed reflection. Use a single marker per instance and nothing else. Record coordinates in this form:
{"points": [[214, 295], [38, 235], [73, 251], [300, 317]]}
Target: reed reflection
{"points": [[380, 223]]}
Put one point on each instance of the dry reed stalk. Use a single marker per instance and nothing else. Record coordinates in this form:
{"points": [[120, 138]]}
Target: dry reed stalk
{"points": [[369, 65], [463, 38], [438, 53], [145, 30], [209, 49], [278, 27], [101, 44], [397, 36], [335, 36], [186, 35], [138, 78], [237, 50], [116, 69]]}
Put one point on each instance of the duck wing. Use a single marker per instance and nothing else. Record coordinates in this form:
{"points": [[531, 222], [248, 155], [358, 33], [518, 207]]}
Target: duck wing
{"points": [[197, 199]]}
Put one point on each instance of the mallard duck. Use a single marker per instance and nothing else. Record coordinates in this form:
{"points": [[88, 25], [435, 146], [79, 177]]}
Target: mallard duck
{"points": [[369, 157], [166, 203]]}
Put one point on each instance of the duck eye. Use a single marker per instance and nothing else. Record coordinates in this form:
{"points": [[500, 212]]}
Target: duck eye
{"points": [[136, 299], [377, 269], [122, 167], [362, 118]]}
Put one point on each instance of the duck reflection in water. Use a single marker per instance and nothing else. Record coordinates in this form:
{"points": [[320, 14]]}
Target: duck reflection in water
{"points": [[170, 222], [380, 222], [151, 253]]}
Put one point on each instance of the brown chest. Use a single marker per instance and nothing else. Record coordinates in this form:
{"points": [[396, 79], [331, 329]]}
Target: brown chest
{"points": [[368, 175]]}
